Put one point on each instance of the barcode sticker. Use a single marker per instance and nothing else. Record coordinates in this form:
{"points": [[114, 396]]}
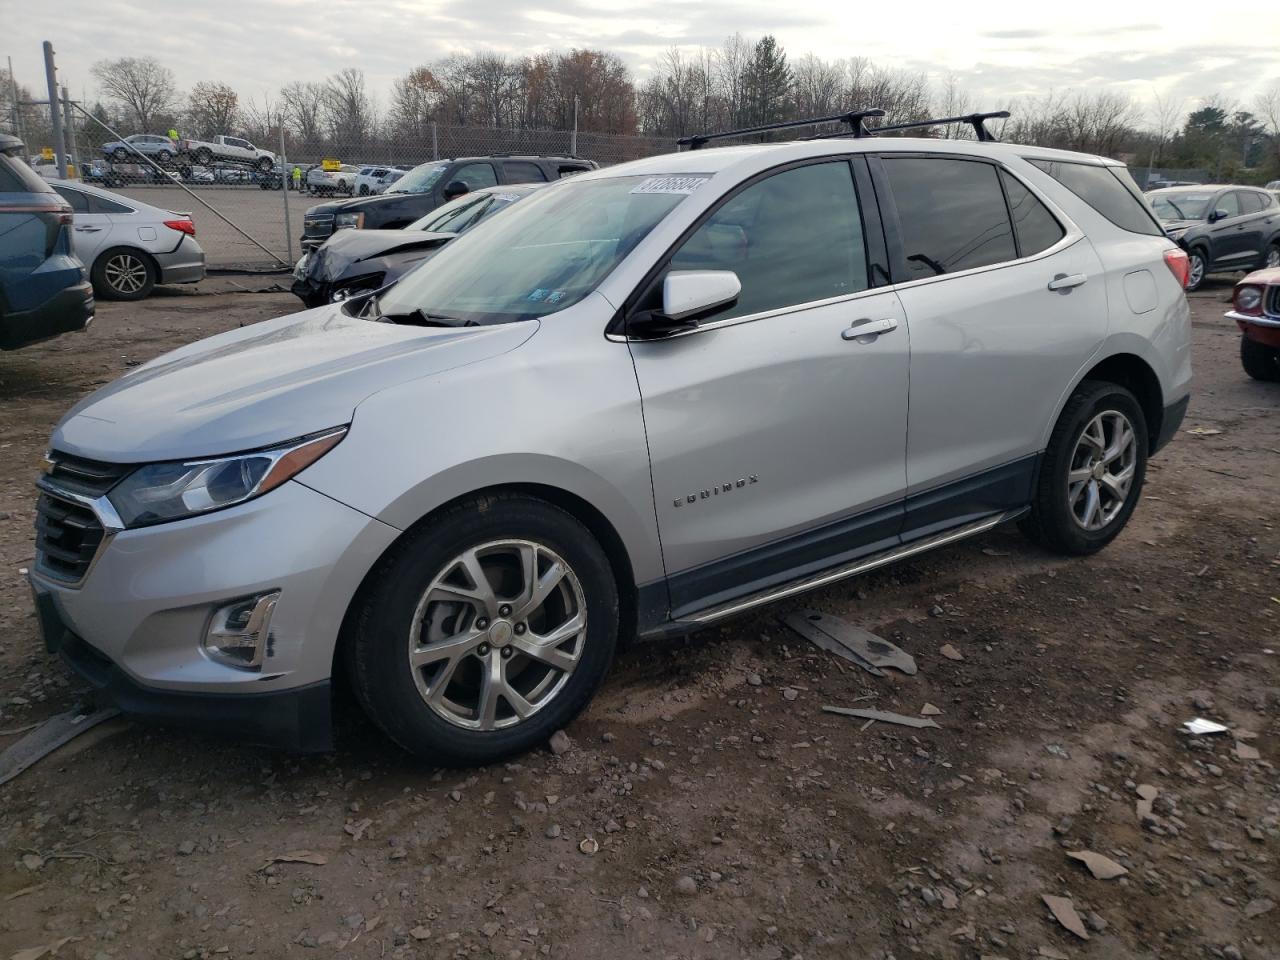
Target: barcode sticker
{"points": [[680, 185]]}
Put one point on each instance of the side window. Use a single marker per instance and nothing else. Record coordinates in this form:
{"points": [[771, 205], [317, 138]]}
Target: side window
{"points": [[1230, 202], [1265, 201], [103, 205], [1250, 202], [522, 171], [570, 169], [1034, 226], [1109, 190], [475, 175], [952, 214], [79, 202], [793, 238]]}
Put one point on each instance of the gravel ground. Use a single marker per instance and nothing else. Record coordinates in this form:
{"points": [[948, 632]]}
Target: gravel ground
{"points": [[729, 815]]}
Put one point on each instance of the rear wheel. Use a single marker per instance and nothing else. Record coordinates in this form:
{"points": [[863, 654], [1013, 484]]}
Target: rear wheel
{"points": [[202, 157], [120, 154], [485, 631], [163, 157], [123, 273], [1272, 257], [265, 164], [1092, 472], [1197, 268], [1260, 361]]}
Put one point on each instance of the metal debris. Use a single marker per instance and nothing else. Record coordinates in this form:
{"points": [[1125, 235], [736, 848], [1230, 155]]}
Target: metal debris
{"points": [[48, 737], [881, 715], [298, 856], [859, 646], [590, 846], [1202, 726]]}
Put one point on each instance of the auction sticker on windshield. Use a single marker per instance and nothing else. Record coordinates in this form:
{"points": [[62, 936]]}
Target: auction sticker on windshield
{"points": [[681, 185]]}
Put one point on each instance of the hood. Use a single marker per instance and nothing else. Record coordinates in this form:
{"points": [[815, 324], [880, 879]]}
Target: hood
{"points": [[1267, 275], [357, 203], [346, 247], [265, 384]]}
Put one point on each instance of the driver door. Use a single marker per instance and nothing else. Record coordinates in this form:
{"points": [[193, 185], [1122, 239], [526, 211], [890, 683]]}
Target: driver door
{"points": [[777, 434]]}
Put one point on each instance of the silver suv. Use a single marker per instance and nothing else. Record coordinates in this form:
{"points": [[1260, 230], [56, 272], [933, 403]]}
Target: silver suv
{"points": [[648, 398]]}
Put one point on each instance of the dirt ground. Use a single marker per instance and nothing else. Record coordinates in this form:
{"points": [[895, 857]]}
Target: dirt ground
{"points": [[734, 818]]}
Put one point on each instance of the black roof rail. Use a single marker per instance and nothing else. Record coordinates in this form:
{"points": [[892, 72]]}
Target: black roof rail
{"points": [[854, 119], [975, 119]]}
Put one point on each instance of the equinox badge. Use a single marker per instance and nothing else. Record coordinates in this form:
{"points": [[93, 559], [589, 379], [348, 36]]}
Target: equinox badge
{"points": [[715, 490]]}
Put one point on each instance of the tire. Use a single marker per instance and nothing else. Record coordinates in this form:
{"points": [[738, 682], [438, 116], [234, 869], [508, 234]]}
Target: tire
{"points": [[1063, 517], [408, 597], [202, 157], [364, 189], [163, 157], [265, 164], [123, 273], [120, 154], [1271, 258], [1260, 361], [1197, 268]]}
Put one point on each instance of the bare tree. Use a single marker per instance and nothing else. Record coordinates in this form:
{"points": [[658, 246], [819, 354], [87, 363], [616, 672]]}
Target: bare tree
{"points": [[415, 101], [1267, 106], [303, 107], [140, 85], [348, 108], [212, 108]]}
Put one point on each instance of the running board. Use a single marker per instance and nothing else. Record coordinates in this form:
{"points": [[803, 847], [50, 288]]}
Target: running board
{"points": [[702, 618]]}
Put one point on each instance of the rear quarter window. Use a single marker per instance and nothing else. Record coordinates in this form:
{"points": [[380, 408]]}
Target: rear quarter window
{"points": [[17, 177], [1109, 190]]}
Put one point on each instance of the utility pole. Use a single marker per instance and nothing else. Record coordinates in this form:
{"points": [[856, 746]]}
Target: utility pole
{"points": [[17, 113], [51, 75], [70, 127], [435, 142], [284, 192], [573, 139]]}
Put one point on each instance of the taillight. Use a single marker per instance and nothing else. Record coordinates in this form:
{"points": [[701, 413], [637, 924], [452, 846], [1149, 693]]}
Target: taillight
{"points": [[1247, 299], [1178, 264], [182, 226]]}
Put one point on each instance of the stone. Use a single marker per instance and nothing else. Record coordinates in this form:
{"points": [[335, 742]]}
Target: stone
{"points": [[187, 847], [560, 743], [687, 887]]}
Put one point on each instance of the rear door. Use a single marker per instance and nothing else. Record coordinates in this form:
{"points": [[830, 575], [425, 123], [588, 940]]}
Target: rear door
{"points": [[90, 229], [1252, 228], [1226, 235], [1005, 302], [776, 434]]}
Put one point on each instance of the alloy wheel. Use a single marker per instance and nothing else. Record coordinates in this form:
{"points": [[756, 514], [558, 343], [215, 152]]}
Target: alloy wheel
{"points": [[497, 634], [1102, 470], [125, 273], [1273, 257], [1195, 272]]}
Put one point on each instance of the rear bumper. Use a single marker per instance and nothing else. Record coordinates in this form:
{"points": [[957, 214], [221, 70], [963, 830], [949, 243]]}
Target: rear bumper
{"points": [[183, 265], [299, 719], [68, 310], [1174, 414]]}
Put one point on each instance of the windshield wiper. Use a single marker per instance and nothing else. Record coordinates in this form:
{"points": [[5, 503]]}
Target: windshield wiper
{"points": [[420, 318]]}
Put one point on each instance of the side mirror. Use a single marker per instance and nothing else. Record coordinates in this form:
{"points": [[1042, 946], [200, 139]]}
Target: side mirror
{"points": [[686, 296], [455, 189], [1217, 215]]}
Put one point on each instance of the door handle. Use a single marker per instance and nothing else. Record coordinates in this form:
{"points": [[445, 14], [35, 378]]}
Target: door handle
{"points": [[869, 328], [88, 229], [1064, 282]]}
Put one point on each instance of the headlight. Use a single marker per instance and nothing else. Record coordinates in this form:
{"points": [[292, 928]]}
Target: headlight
{"points": [[348, 221], [1248, 299], [160, 492]]}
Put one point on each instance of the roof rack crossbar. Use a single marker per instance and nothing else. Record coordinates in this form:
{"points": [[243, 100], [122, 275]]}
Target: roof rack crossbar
{"points": [[977, 120], [854, 119]]}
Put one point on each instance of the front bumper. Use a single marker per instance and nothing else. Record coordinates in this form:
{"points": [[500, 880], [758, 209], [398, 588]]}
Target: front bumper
{"points": [[137, 619], [68, 310], [1264, 330]]}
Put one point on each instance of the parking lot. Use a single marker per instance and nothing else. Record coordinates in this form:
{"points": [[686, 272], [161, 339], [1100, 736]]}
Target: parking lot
{"points": [[733, 817]]}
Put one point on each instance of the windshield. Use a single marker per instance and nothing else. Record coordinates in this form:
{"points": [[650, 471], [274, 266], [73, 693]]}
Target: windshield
{"points": [[1181, 206], [466, 211], [420, 179], [545, 255]]}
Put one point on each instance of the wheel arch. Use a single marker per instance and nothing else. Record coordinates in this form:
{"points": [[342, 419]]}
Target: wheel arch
{"points": [[582, 510], [1138, 376]]}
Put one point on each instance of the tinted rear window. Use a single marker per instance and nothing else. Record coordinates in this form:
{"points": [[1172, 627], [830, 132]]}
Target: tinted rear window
{"points": [[952, 213], [1036, 227], [1109, 190], [17, 177]]}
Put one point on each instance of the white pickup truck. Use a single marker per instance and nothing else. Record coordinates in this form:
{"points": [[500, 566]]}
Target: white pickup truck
{"points": [[234, 149]]}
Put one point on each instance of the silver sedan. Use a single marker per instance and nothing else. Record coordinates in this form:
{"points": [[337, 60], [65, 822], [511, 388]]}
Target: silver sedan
{"points": [[129, 246]]}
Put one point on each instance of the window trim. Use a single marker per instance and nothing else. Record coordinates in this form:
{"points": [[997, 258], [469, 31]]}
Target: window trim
{"points": [[872, 245], [1072, 233]]}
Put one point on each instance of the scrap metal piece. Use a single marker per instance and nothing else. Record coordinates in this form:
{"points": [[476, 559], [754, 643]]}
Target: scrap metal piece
{"points": [[881, 715], [824, 641], [863, 644], [1200, 725], [48, 737]]}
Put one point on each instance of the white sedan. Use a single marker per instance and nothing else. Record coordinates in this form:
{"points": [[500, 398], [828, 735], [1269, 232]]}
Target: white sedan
{"points": [[129, 246]]}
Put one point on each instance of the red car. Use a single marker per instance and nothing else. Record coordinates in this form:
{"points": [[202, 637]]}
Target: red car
{"points": [[1256, 303]]}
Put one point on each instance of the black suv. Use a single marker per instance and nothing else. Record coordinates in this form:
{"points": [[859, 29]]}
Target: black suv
{"points": [[1222, 228], [427, 186], [44, 288]]}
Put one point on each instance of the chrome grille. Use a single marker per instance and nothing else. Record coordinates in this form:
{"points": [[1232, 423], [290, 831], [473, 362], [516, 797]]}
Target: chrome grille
{"points": [[1271, 302], [68, 531], [90, 478], [317, 226]]}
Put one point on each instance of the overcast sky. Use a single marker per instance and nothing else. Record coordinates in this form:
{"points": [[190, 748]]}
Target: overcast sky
{"points": [[997, 49]]}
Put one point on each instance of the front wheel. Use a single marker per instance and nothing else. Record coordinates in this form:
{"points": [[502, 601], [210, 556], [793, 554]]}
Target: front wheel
{"points": [[485, 630], [202, 157], [163, 157], [1271, 259], [1197, 268], [1092, 472], [265, 164], [1260, 361]]}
